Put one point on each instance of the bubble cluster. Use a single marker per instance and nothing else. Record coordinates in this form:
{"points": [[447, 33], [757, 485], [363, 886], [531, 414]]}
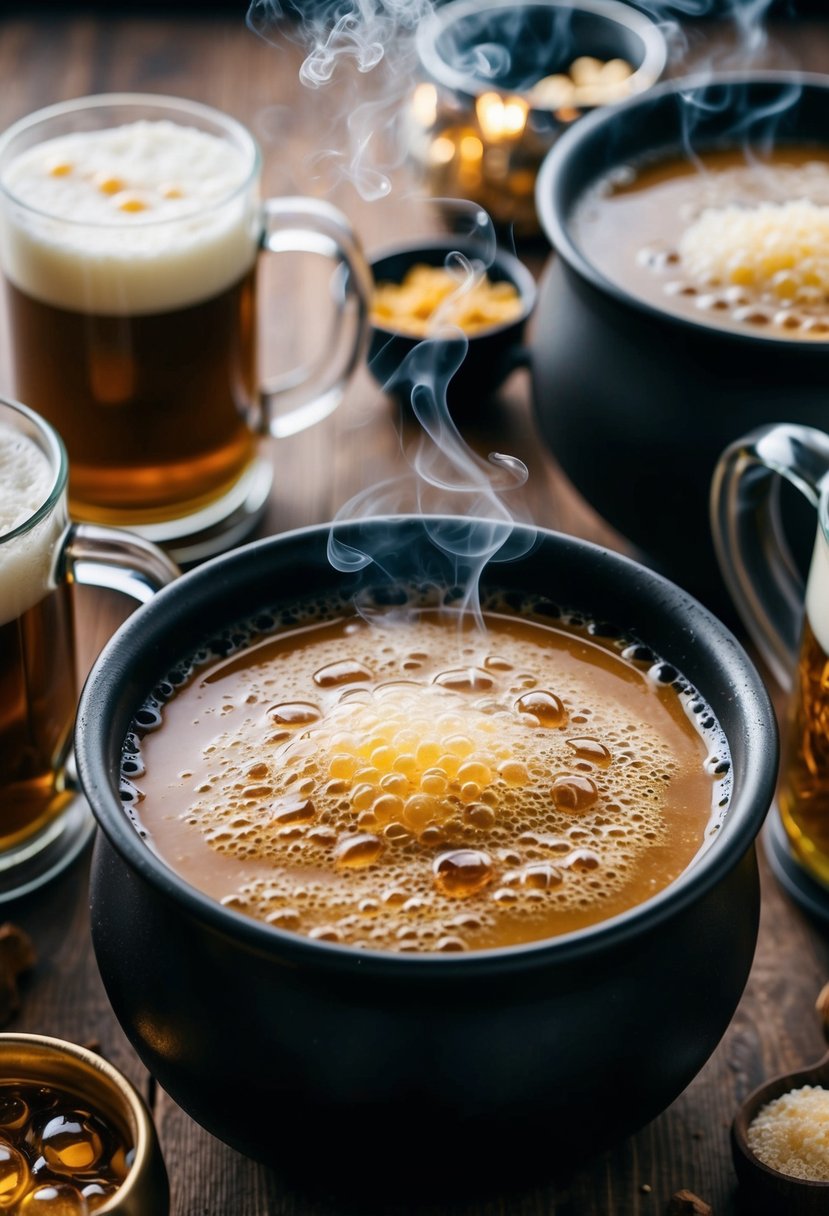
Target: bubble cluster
{"points": [[56, 1158], [413, 784]]}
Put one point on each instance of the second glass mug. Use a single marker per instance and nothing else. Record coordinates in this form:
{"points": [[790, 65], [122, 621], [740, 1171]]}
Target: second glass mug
{"points": [[44, 822], [788, 622], [134, 325]]}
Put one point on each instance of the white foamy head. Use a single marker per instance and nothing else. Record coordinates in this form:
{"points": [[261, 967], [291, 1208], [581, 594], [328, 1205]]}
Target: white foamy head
{"points": [[817, 591], [140, 218], [26, 480]]}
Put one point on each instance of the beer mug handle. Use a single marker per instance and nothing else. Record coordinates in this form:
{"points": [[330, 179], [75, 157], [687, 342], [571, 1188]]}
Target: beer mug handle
{"points": [[118, 560], [754, 557], [313, 390]]}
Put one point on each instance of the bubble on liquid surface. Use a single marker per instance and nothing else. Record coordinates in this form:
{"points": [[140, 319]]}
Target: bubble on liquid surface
{"points": [[463, 872], [70, 1143], [545, 706], [14, 1175], [574, 793], [54, 1199], [592, 750], [14, 1112]]}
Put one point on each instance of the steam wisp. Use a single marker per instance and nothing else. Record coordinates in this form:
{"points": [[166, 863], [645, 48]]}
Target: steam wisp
{"points": [[375, 38], [375, 41]]}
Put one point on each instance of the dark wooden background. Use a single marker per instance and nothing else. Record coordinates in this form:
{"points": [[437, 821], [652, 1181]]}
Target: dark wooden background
{"points": [[46, 56]]}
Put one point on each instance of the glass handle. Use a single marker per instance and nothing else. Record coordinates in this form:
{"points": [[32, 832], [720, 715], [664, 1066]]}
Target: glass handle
{"points": [[751, 547], [314, 390], [108, 557]]}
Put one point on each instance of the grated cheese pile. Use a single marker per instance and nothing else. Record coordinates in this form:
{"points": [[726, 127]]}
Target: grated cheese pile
{"points": [[777, 248], [430, 297], [791, 1134]]}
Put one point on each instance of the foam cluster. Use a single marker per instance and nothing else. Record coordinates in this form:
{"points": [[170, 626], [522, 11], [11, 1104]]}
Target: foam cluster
{"points": [[139, 218], [817, 591], [26, 480]]}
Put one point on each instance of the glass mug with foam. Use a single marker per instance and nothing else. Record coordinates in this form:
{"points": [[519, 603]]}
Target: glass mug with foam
{"points": [[788, 622], [130, 231], [43, 822]]}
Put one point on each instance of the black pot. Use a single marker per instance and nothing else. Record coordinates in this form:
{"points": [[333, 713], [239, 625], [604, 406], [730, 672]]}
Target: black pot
{"points": [[636, 404], [278, 1043]]}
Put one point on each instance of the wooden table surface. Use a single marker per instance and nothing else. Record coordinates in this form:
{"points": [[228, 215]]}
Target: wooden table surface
{"points": [[217, 60]]}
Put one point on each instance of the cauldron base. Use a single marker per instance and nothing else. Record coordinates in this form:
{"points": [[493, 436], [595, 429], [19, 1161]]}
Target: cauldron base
{"points": [[796, 881], [421, 1163]]}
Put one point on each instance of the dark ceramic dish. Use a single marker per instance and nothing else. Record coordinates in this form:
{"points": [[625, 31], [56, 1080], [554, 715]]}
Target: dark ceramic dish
{"points": [[637, 404], [281, 1045], [487, 357]]}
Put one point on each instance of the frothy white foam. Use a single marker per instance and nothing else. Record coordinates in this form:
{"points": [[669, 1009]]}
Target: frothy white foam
{"points": [[26, 480], [817, 592], [141, 218]]}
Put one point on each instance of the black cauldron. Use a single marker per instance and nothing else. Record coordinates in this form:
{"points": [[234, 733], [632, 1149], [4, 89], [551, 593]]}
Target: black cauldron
{"points": [[279, 1044], [637, 404]]}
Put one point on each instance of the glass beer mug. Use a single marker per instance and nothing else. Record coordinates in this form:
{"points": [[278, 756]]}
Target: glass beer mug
{"points": [[44, 823], [132, 229], [788, 622]]}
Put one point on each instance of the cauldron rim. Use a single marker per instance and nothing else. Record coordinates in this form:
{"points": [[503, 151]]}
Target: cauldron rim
{"points": [[554, 213], [100, 781]]}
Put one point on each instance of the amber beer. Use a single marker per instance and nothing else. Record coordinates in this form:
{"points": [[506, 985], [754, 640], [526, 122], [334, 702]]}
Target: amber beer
{"points": [[129, 255], [37, 663], [803, 795], [154, 413]]}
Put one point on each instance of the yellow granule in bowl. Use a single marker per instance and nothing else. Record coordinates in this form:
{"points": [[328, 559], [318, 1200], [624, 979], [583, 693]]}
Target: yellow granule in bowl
{"points": [[791, 1134], [778, 249]]}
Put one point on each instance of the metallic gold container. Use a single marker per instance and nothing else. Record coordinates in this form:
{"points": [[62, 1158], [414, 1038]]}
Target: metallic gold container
{"points": [[27, 1058]]}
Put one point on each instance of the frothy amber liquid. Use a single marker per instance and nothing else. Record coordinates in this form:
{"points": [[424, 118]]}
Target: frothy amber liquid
{"points": [[423, 786], [154, 409], [803, 793], [37, 706]]}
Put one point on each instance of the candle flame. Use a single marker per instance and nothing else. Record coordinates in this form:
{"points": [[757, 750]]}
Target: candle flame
{"points": [[471, 147], [501, 117]]}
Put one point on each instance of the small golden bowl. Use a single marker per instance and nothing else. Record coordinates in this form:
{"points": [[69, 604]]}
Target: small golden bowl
{"points": [[34, 1058]]}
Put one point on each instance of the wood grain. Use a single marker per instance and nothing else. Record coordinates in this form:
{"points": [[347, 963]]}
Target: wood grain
{"points": [[47, 58]]}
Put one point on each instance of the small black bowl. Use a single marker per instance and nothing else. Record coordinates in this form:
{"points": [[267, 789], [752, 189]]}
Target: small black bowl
{"points": [[485, 358]]}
